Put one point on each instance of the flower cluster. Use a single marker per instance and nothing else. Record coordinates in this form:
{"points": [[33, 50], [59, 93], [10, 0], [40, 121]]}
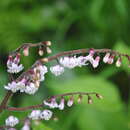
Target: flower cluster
{"points": [[53, 103], [13, 64], [29, 84], [38, 114], [11, 121], [72, 62]]}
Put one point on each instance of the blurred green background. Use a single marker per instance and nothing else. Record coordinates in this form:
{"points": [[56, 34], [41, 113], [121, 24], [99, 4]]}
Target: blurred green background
{"points": [[71, 24]]}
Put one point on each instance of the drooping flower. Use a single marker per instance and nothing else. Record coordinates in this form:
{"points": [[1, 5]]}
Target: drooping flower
{"points": [[57, 70], [111, 59], [35, 114], [42, 71], [69, 62], [31, 88], [12, 87], [106, 57], [13, 64], [118, 62], [70, 102], [11, 121], [21, 85], [62, 104], [82, 61], [46, 114], [95, 62], [51, 104]]}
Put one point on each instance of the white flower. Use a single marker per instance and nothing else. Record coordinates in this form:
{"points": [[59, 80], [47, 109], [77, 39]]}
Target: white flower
{"points": [[11, 121], [46, 114], [52, 104], [21, 86], [111, 59], [25, 127], [12, 86], [95, 62], [15, 68], [57, 70], [82, 60], [35, 114], [43, 70], [62, 104], [69, 62], [106, 57], [31, 88], [13, 64], [70, 102], [118, 62]]}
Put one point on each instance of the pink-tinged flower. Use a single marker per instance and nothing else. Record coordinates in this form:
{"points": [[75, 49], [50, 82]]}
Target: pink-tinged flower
{"points": [[91, 52], [111, 59], [52, 104], [42, 71], [106, 57], [26, 127], [13, 64], [57, 70], [118, 62], [31, 88], [46, 114], [70, 102], [26, 51], [11, 121], [35, 115], [69, 62], [12, 87], [62, 104], [82, 61], [95, 62]]}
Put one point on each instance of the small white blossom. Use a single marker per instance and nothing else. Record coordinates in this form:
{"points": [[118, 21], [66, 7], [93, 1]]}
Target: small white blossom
{"points": [[31, 88], [70, 102], [95, 62], [21, 86], [43, 70], [15, 68], [106, 57], [111, 59], [12, 87], [62, 104], [82, 61], [57, 70], [118, 62], [46, 114], [25, 127], [52, 104], [13, 64], [69, 62], [11, 121], [35, 114]]}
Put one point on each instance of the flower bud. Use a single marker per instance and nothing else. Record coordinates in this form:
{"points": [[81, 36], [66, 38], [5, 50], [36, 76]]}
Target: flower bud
{"points": [[90, 101], [79, 98], [44, 60], [99, 96], [111, 59], [48, 50], [48, 43], [26, 51], [40, 52]]}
